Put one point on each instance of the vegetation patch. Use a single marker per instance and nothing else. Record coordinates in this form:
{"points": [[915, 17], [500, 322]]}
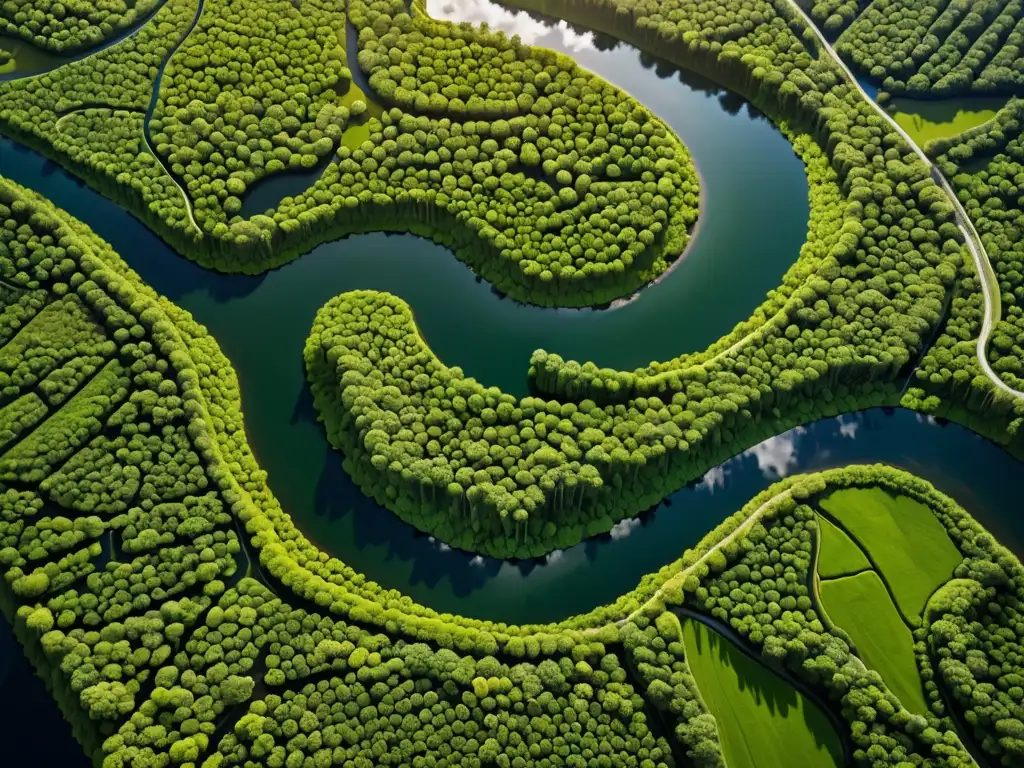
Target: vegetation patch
{"points": [[762, 721], [68, 27], [930, 48], [860, 605], [839, 555], [927, 120], [910, 547], [178, 615]]}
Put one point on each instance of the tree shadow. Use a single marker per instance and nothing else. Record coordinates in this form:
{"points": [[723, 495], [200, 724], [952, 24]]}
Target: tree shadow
{"points": [[770, 689]]}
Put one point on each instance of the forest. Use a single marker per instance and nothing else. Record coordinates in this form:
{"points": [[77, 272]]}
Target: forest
{"points": [[180, 612]]}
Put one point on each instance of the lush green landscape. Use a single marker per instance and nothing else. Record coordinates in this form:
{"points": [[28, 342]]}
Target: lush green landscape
{"points": [[180, 609], [762, 721], [861, 605]]}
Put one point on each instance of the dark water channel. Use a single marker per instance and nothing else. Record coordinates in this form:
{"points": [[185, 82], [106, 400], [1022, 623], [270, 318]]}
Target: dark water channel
{"points": [[753, 222], [753, 184], [261, 323]]}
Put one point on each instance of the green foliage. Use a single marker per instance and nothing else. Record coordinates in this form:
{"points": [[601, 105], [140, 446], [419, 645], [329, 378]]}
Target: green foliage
{"points": [[578, 195], [128, 480], [250, 93], [861, 606], [904, 540], [487, 472], [415, 704], [936, 48], [657, 657], [763, 594], [130, 599], [89, 114], [68, 27], [983, 165]]}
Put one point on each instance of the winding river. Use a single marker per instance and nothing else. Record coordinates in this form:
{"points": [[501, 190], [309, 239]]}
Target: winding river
{"points": [[752, 223], [261, 323]]}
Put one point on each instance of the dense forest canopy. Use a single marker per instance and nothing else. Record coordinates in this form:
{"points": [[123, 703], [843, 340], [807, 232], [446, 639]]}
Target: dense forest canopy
{"points": [[180, 617], [931, 48]]}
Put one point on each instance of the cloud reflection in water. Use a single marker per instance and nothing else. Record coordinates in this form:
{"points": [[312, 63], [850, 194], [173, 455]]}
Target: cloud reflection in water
{"points": [[530, 30]]}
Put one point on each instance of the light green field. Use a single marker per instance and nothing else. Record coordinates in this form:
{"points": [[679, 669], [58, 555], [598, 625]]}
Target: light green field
{"points": [[762, 721], [358, 130], [904, 539], [840, 555], [861, 605], [926, 120]]}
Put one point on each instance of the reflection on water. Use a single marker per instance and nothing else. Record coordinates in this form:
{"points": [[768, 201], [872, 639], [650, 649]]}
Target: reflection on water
{"points": [[776, 457], [848, 427], [261, 323], [530, 30]]}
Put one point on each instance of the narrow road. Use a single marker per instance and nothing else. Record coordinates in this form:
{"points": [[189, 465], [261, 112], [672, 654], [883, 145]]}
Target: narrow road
{"points": [[154, 98], [741, 529], [987, 275]]}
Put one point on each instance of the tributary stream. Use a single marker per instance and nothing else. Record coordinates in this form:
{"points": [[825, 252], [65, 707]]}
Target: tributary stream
{"points": [[752, 223]]}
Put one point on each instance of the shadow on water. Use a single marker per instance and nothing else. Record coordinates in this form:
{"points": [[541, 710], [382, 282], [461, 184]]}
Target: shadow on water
{"points": [[261, 324], [34, 729]]}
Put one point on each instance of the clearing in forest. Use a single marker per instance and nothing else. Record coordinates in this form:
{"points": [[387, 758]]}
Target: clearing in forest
{"points": [[906, 542], [840, 555], [762, 721], [861, 605]]}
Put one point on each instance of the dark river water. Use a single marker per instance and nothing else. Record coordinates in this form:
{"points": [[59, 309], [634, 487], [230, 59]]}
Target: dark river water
{"points": [[752, 223]]}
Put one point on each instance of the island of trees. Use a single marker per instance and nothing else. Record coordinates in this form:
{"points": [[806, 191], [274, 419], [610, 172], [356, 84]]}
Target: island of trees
{"points": [[179, 617]]}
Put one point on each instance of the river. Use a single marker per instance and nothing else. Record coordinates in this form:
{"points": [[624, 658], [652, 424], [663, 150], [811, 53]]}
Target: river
{"points": [[752, 224], [261, 323]]}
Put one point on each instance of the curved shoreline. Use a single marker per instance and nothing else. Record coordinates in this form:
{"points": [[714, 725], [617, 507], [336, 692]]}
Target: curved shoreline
{"points": [[692, 235], [983, 265], [84, 53]]}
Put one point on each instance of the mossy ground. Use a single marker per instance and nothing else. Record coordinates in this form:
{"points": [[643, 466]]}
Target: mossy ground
{"points": [[929, 120]]}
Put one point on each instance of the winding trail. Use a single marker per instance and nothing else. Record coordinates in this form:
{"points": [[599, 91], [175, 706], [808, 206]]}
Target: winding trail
{"points": [[740, 530], [92, 105], [987, 275], [154, 98]]}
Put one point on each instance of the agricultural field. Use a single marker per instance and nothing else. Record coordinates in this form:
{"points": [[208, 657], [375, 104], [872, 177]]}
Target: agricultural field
{"points": [[839, 555], [449, 383], [902, 538], [861, 606], [763, 722]]}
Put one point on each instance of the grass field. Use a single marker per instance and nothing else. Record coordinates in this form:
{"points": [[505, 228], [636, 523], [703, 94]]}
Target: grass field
{"points": [[762, 721], [908, 544], [861, 605], [927, 120], [840, 555]]}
